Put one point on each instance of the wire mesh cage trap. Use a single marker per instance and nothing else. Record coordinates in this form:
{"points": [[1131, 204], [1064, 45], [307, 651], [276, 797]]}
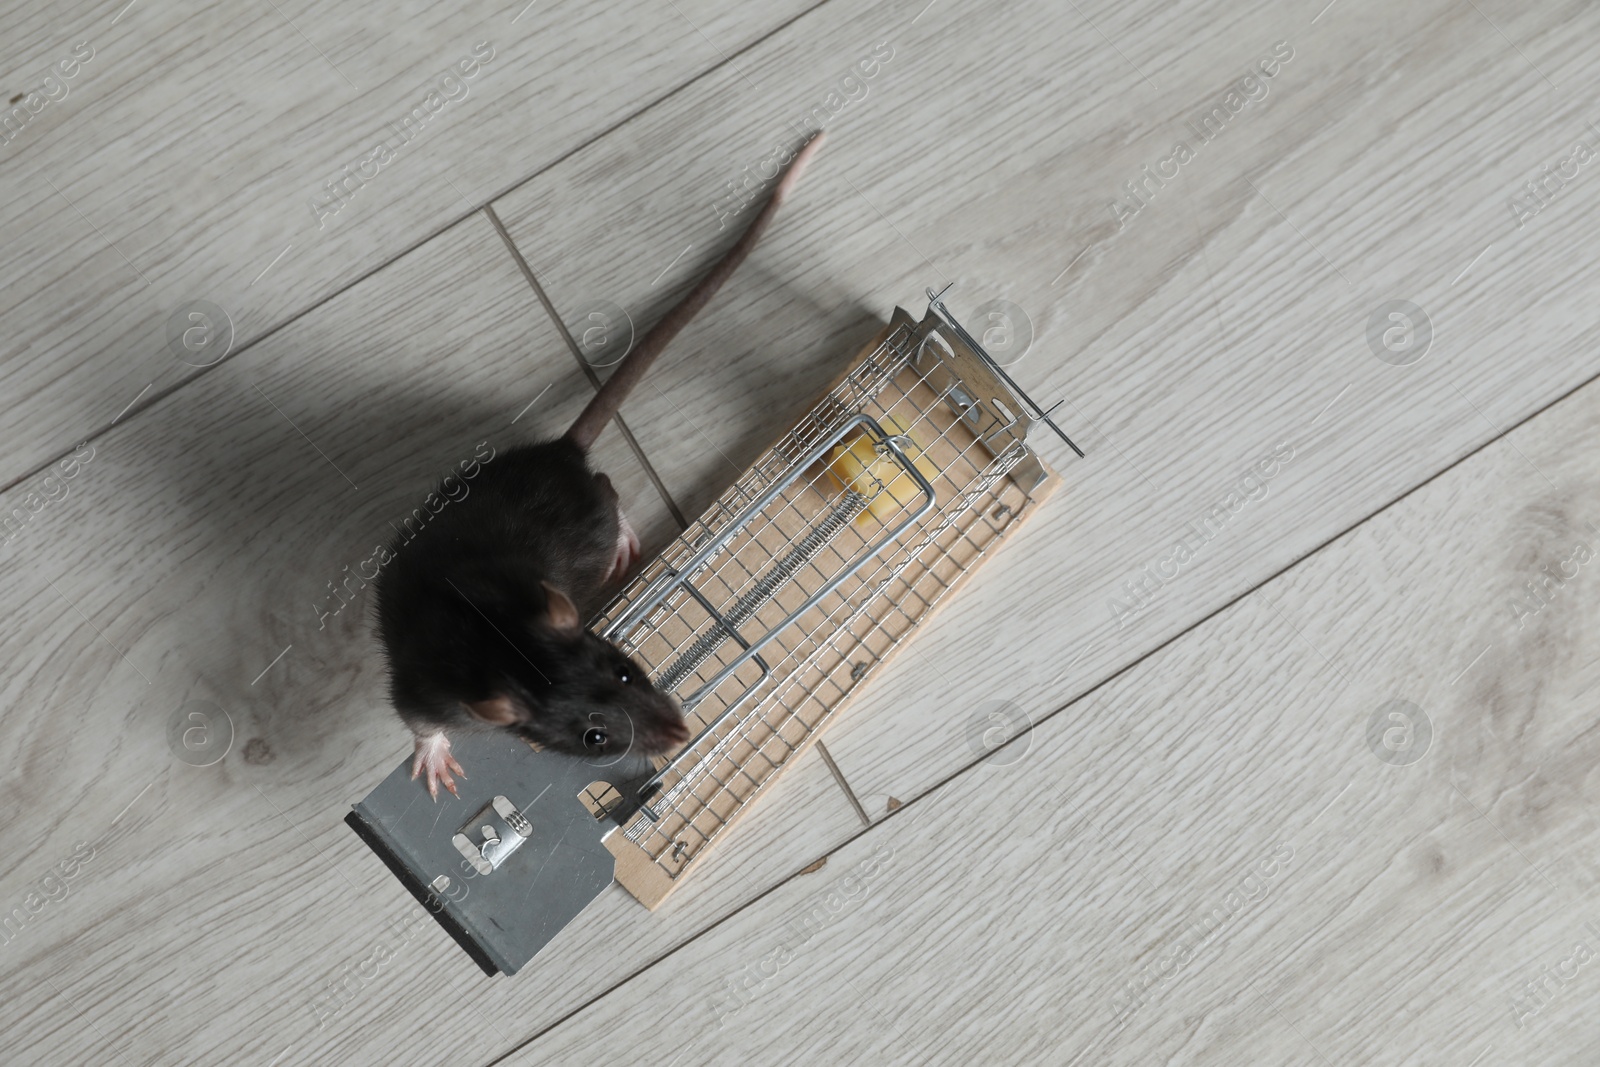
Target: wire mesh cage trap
{"points": [[763, 618], [767, 613]]}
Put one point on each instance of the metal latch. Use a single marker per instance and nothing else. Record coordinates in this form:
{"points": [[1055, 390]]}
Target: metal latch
{"points": [[491, 835]]}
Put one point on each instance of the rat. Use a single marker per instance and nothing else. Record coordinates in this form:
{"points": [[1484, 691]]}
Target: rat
{"points": [[478, 613]]}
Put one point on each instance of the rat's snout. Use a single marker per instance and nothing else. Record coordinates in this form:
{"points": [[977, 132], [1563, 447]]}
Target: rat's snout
{"points": [[664, 733], [676, 732]]}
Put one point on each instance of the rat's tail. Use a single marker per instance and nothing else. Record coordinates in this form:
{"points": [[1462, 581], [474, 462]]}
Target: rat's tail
{"points": [[609, 399]]}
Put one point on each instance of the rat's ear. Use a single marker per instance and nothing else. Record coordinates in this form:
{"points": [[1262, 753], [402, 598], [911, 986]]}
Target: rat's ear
{"points": [[496, 711], [560, 612]]}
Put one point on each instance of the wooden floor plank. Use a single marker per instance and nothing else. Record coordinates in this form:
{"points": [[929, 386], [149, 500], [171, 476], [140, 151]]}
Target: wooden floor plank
{"points": [[189, 156], [1221, 325], [1224, 323], [186, 556], [1232, 853]]}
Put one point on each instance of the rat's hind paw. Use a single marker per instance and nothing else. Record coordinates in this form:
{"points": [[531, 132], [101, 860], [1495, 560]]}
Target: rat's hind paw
{"points": [[627, 549], [433, 756]]}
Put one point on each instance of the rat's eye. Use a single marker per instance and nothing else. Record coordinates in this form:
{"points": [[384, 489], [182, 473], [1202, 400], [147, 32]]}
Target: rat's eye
{"points": [[624, 675], [594, 738]]}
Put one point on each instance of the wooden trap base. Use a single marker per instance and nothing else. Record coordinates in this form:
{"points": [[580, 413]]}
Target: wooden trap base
{"points": [[829, 570]]}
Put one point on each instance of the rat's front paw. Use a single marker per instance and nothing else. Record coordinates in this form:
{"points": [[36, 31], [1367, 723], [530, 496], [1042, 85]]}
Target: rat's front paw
{"points": [[433, 757]]}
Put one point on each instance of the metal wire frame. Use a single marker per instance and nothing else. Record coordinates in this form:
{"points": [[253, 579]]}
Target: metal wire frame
{"points": [[787, 706], [756, 519], [884, 594]]}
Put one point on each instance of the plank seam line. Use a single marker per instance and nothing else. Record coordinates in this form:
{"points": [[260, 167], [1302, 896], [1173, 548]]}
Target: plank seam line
{"points": [[1089, 691], [577, 354], [726, 61]]}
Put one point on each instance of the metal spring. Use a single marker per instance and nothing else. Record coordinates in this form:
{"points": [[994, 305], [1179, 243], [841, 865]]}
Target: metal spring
{"points": [[780, 572]]}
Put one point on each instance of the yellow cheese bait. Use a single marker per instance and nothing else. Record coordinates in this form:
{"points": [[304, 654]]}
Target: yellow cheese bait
{"points": [[869, 468]]}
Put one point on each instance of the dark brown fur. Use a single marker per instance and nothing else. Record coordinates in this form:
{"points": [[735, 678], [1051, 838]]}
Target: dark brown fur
{"points": [[476, 613]]}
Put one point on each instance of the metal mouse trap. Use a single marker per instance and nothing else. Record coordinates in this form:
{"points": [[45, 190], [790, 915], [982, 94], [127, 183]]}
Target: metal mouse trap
{"points": [[762, 619]]}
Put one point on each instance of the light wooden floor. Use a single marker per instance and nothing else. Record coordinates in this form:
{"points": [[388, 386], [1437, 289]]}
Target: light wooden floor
{"points": [[1201, 850]]}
